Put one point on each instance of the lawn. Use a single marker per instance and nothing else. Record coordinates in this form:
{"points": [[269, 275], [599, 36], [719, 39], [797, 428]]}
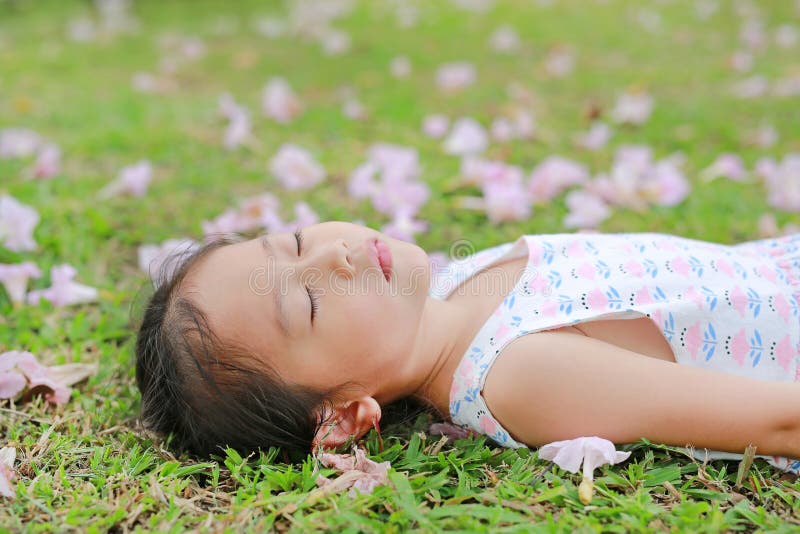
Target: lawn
{"points": [[113, 91]]}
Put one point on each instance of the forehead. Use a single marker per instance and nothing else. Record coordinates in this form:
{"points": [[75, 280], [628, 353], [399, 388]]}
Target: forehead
{"points": [[228, 285]]}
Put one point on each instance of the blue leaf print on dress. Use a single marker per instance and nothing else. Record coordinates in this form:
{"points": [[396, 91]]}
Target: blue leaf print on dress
{"points": [[614, 300], [650, 268], [669, 327], [709, 341], [754, 301], [602, 269], [697, 266], [455, 407], [591, 249], [475, 354], [639, 245], [710, 297], [548, 253], [740, 270], [515, 320], [565, 304], [756, 347], [470, 394], [794, 304], [555, 278], [659, 295], [509, 301]]}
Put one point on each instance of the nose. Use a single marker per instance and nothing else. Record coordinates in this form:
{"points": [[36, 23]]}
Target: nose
{"points": [[336, 255]]}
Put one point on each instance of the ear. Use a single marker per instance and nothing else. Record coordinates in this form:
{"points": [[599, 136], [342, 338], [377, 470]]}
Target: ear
{"points": [[353, 418]]}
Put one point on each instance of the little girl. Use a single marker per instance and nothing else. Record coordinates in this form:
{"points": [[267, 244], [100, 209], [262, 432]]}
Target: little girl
{"points": [[298, 340]]}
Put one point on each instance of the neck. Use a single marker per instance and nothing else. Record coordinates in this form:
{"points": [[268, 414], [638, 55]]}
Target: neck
{"points": [[442, 339]]}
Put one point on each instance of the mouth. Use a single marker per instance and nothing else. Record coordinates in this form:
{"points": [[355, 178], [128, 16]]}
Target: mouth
{"points": [[382, 257]]}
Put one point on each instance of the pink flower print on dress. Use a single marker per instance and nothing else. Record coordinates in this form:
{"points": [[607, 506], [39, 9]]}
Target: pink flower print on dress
{"points": [[466, 368], [655, 315], [739, 347], [540, 284], [643, 296], [586, 270], [597, 299], [502, 331], [724, 267], [692, 295], [634, 268], [534, 252], [487, 425], [784, 353], [549, 308], [693, 340], [782, 307], [767, 273], [576, 250], [665, 244], [680, 266], [738, 300]]}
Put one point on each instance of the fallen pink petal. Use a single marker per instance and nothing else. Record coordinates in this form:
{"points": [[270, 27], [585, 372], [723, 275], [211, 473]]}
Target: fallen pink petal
{"points": [[7, 474], [296, 168], [131, 180], [592, 452], [372, 474], [17, 223], [15, 278], [279, 102], [64, 291]]}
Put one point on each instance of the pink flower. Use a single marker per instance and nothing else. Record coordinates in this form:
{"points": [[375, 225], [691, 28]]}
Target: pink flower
{"points": [[783, 187], [505, 197], [553, 175], [279, 101], [752, 87], [435, 126], [17, 222], [452, 77], [466, 137], [504, 40], [586, 210], [7, 475], [632, 108], [296, 168], [63, 291], [400, 67], [18, 143], [726, 165], [131, 180], [559, 62], [370, 473], [453, 432], [152, 257], [596, 138], [20, 369], [404, 227], [238, 130], [593, 451], [15, 279], [47, 164], [335, 42], [488, 426]]}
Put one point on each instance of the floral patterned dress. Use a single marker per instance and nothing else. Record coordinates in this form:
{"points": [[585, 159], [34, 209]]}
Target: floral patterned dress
{"points": [[731, 308]]}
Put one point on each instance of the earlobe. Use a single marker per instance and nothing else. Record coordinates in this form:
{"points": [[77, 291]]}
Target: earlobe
{"points": [[351, 419]]}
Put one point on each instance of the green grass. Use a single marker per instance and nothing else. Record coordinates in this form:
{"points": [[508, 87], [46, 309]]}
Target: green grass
{"points": [[89, 466]]}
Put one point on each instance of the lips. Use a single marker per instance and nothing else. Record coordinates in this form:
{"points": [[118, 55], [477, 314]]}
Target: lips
{"points": [[382, 256]]}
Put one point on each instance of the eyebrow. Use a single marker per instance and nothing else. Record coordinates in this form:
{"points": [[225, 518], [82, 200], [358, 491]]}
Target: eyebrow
{"points": [[283, 323]]}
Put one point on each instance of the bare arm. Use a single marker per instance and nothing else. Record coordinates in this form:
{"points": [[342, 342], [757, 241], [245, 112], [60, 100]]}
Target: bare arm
{"points": [[553, 385]]}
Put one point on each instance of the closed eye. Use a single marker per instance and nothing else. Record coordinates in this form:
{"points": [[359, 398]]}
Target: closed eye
{"points": [[298, 236]]}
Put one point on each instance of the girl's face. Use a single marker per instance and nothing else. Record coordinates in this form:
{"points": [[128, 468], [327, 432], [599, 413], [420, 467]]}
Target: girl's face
{"points": [[317, 305]]}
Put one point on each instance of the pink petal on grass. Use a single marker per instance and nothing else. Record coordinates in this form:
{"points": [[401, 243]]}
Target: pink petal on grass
{"points": [[64, 291], [7, 474], [467, 137], [296, 168], [131, 180], [152, 257], [11, 383], [370, 474], [279, 102], [593, 452], [435, 126], [632, 107], [15, 279], [17, 222], [456, 76]]}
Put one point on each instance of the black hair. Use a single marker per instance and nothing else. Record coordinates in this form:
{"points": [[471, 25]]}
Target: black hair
{"points": [[207, 392]]}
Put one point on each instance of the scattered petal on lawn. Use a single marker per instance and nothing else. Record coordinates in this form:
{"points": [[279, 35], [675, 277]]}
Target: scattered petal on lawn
{"points": [[741, 61], [47, 164], [7, 475], [296, 168], [452, 77], [152, 257], [239, 129], [272, 27], [56, 380], [586, 210], [786, 36], [453, 432], [593, 451], [15, 279], [632, 108], [353, 109], [507, 200], [64, 291], [505, 39], [768, 227], [335, 42], [476, 6], [279, 101], [559, 62], [752, 87], [400, 67], [596, 138], [18, 143], [781, 180], [727, 166], [371, 474], [17, 222], [763, 137], [132, 180], [404, 227], [553, 175], [467, 137], [435, 126]]}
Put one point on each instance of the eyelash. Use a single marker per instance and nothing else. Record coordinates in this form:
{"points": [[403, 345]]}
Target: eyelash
{"points": [[298, 236]]}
